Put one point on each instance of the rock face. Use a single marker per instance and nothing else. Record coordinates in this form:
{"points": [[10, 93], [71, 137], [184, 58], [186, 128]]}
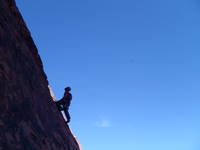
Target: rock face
{"points": [[29, 119]]}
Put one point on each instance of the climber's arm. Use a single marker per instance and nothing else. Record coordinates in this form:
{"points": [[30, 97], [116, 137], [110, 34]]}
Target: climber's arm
{"points": [[60, 102]]}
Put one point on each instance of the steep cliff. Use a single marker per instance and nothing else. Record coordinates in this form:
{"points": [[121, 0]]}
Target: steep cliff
{"points": [[29, 119]]}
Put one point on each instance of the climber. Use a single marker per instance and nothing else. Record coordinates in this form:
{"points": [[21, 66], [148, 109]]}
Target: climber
{"points": [[65, 102]]}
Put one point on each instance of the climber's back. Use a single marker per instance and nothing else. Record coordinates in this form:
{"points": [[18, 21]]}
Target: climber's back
{"points": [[66, 100]]}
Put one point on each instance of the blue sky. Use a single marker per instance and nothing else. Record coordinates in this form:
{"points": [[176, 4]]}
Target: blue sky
{"points": [[133, 66]]}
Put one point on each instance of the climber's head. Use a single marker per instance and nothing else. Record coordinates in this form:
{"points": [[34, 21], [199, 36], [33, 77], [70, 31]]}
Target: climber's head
{"points": [[67, 89]]}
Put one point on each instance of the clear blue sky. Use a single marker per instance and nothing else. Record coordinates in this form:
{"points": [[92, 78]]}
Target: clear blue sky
{"points": [[133, 65]]}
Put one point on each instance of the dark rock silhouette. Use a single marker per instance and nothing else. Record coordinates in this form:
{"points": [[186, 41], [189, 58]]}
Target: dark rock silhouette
{"points": [[29, 119]]}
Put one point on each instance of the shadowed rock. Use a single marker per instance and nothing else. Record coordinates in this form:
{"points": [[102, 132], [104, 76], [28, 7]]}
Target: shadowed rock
{"points": [[29, 119]]}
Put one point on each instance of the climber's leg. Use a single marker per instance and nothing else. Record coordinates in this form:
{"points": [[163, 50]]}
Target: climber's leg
{"points": [[59, 106], [67, 115]]}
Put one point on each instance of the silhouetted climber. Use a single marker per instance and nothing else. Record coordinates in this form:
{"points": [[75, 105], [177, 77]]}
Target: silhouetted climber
{"points": [[65, 102]]}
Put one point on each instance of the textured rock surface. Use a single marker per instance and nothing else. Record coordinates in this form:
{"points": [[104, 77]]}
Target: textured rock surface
{"points": [[29, 119]]}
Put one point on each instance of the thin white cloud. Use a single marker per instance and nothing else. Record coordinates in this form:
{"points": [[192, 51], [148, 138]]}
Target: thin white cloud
{"points": [[103, 123]]}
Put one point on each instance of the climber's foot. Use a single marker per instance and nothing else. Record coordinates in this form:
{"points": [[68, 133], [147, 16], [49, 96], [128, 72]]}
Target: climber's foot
{"points": [[67, 121]]}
